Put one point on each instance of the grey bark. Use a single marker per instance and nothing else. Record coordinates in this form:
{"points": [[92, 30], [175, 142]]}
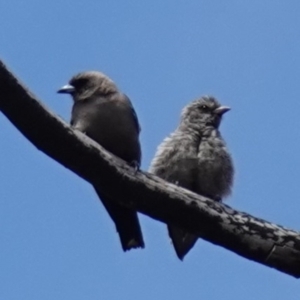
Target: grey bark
{"points": [[253, 238]]}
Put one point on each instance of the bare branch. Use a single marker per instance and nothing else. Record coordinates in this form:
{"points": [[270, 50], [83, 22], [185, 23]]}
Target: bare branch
{"points": [[250, 237]]}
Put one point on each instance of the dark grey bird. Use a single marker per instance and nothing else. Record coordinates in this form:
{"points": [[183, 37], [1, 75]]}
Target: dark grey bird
{"points": [[195, 157], [107, 116]]}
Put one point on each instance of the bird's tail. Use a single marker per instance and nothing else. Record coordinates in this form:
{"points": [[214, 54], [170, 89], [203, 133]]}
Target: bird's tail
{"points": [[183, 241], [126, 222]]}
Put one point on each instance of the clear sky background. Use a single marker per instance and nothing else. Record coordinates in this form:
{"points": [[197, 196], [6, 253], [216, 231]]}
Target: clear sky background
{"points": [[56, 240]]}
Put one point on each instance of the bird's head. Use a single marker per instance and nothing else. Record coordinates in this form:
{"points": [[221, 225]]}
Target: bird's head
{"points": [[203, 112], [87, 84]]}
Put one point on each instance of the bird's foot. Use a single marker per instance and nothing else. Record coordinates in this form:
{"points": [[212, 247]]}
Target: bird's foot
{"points": [[136, 166], [217, 198]]}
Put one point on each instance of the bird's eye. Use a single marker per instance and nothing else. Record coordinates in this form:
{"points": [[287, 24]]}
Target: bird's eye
{"points": [[80, 82], [204, 107]]}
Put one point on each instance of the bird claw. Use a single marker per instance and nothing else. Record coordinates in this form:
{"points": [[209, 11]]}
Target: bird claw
{"points": [[136, 166], [217, 198]]}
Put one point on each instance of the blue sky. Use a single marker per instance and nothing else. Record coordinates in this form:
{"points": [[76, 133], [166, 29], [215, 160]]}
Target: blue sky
{"points": [[57, 242]]}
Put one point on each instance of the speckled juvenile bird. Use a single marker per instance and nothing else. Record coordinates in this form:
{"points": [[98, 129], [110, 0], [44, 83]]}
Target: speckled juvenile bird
{"points": [[107, 116], [195, 157]]}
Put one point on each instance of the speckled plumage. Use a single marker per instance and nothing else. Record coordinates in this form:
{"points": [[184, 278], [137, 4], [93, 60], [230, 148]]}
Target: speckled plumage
{"points": [[195, 157], [106, 115]]}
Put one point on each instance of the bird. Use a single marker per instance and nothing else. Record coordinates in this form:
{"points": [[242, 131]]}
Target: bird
{"points": [[106, 115], [195, 157]]}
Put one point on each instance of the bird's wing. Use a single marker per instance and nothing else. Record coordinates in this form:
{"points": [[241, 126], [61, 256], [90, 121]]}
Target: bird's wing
{"points": [[136, 121], [125, 219]]}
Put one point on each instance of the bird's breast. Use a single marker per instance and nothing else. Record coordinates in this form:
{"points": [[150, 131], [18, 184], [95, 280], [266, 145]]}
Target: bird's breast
{"points": [[109, 125], [215, 169]]}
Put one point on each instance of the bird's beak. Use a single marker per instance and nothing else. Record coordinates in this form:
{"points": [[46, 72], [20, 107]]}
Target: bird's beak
{"points": [[66, 89], [221, 110]]}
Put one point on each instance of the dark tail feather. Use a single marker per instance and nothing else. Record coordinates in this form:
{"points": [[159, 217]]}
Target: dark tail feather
{"points": [[183, 241], [127, 223]]}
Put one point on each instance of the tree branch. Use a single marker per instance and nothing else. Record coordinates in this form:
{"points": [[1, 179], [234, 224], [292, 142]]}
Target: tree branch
{"points": [[250, 237]]}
